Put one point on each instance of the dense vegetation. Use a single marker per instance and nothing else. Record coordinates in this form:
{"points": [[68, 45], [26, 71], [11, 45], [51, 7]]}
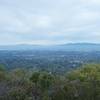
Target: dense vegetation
{"points": [[80, 84]]}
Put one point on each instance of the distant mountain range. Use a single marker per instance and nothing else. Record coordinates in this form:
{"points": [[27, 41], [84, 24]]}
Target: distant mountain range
{"points": [[63, 47]]}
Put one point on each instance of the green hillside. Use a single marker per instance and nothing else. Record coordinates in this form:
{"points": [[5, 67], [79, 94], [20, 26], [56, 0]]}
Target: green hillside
{"points": [[79, 84]]}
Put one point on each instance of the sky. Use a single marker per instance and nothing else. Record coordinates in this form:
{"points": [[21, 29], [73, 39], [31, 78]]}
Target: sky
{"points": [[48, 22]]}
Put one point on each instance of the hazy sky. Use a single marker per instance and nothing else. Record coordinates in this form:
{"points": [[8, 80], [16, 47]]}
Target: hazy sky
{"points": [[49, 21]]}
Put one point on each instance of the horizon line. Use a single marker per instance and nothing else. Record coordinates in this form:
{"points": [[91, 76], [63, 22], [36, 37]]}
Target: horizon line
{"points": [[95, 43]]}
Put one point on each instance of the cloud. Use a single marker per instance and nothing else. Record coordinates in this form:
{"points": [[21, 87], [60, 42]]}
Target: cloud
{"points": [[55, 21]]}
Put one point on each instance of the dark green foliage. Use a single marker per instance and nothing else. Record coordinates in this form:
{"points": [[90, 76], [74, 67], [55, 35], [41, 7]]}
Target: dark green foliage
{"points": [[2, 68], [45, 80], [80, 84], [35, 77], [3, 73]]}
